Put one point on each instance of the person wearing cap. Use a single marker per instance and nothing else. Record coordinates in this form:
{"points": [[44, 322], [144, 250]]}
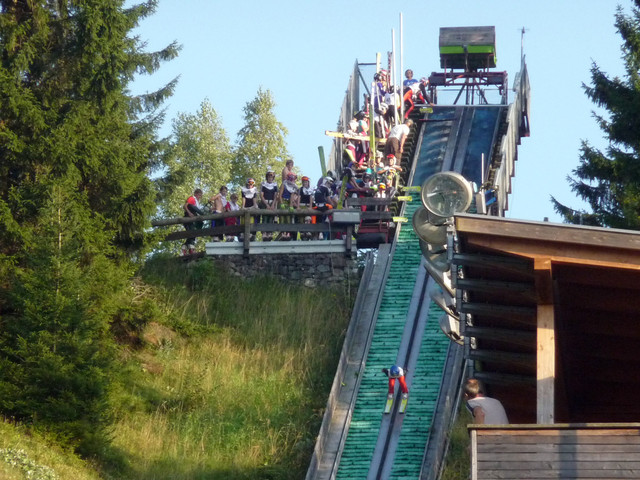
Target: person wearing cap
{"points": [[268, 200], [249, 194], [392, 163], [305, 201], [393, 169], [381, 192], [250, 198], [305, 195]]}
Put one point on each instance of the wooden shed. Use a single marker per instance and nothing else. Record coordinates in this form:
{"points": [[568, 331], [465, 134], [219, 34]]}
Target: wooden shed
{"points": [[552, 321]]}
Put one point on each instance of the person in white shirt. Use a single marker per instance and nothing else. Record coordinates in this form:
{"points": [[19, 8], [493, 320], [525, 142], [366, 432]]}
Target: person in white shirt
{"points": [[485, 410], [397, 137]]}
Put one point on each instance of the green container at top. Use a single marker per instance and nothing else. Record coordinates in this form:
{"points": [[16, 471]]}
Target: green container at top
{"points": [[467, 48]]}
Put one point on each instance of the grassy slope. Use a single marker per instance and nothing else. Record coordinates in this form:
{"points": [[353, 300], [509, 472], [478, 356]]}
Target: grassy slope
{"points": [[221, 378], [21, 452], [456, 464], [239, 392], [229, 381]]}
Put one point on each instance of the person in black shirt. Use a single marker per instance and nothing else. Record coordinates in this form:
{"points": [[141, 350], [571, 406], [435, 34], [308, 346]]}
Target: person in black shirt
{"points": [[268, 200]]}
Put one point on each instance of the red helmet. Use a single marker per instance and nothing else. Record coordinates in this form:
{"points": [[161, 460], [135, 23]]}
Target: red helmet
{"points": [[305, 179]]}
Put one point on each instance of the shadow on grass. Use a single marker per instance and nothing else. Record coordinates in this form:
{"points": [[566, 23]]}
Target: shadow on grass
{"points": [[174, 471]]}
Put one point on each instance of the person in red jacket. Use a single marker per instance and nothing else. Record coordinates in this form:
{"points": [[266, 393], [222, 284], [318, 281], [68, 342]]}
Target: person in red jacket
{"points": [[192, 208]]}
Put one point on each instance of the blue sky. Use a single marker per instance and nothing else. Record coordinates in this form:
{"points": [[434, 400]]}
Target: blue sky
{"points": [[304, 51]]}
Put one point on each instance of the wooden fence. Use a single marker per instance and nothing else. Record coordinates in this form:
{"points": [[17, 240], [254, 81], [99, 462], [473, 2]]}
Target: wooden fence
{"points": [[561, 451], [333, 223]]}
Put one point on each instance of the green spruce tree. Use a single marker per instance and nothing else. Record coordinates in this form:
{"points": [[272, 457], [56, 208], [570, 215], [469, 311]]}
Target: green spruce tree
{"points": [[261, 142], [75, 197], [609, 181]]}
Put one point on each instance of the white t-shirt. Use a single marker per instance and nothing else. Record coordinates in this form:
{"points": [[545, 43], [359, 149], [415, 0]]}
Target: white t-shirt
{"points": [[494, 413], [399, 130]]}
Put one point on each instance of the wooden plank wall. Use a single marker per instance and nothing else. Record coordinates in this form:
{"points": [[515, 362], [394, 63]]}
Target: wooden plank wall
{"points": [[586, 452]]}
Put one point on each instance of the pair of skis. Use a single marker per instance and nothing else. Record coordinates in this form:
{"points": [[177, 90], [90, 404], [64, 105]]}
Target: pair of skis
{"points": [[403, 403]]}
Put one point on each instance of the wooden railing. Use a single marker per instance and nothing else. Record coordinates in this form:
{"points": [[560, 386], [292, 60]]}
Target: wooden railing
{"points": [[335, 222], [560, 451]]}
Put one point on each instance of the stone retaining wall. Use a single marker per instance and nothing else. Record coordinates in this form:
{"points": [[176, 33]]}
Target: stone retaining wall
{"points": [[307, 269]]}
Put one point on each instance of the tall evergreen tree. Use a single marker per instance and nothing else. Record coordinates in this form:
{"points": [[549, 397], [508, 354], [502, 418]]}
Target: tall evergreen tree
{"points": [[199, 157], [609, 181], [75, 152], [261, 142]]}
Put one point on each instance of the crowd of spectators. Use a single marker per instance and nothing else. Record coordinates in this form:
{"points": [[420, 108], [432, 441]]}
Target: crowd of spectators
{"points": [[364, 173], [379, 173], [271, 195]]}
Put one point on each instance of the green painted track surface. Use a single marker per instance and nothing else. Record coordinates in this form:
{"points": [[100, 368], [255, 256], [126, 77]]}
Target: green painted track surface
{"points": [[424, 392], [396, 299]]}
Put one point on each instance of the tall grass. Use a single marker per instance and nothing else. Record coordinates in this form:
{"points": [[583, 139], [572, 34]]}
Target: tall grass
{"points": [[27, 454], [240, 393], [457, 461]]}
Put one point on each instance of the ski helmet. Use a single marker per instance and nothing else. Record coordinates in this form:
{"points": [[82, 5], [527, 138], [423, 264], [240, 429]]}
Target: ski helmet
{"points": [[395, 371]]}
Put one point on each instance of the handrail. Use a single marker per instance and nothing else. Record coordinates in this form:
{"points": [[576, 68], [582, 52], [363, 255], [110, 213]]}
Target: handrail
{"points": [[255, 212], [239, 213]]}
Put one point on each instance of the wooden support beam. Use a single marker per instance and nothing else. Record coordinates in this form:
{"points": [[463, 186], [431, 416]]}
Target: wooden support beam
{"points": [[546, 348], [525, 290], [504, 264], [523, 361], [515, 337], [247, 234], [520, 315], [348, 240], [505, 379]]}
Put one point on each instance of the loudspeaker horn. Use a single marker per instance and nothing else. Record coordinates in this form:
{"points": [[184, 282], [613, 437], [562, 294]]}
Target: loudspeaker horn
{"points": [[435, 256], [435, 234], [443, 300], [450, 326]]}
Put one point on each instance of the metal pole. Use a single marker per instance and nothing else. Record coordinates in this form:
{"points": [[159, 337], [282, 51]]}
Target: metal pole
{"points": [[372, 117], [401, 66], [394, 77]]}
